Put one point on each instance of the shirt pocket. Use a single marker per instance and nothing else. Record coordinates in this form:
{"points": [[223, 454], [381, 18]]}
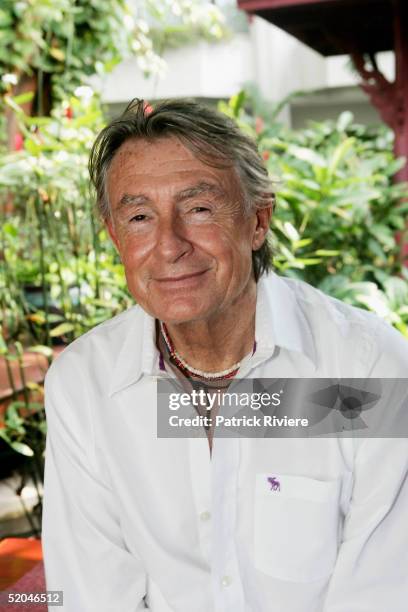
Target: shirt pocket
{"points": [[296, 526]]}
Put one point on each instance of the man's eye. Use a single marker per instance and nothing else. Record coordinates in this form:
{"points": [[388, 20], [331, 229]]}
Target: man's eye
{"points": [[200, 209], [138, 218]]}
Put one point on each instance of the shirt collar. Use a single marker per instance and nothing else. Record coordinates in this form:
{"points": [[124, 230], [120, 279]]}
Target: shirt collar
{"points": [[138, 351], [280, 322]]}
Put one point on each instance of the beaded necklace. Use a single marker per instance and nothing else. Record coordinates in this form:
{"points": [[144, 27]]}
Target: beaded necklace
{"points": [[189, 370]]}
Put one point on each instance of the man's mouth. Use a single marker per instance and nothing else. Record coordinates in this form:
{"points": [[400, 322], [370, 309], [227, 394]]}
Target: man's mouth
{"points": [[181, 280]]}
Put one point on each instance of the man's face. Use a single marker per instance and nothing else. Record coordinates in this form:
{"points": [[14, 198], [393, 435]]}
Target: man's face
{"points": [[180, 231]]}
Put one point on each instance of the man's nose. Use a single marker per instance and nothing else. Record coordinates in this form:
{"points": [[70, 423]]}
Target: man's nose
{"points": [[172, 242]]}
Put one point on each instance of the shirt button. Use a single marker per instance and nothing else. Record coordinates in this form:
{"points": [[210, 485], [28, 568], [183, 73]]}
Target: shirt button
{"points": [[226, 581], [205, 516]]}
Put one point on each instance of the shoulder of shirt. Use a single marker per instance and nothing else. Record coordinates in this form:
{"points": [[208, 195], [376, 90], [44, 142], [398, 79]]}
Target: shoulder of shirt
{"points": [[97, 347], [363, 334], [339, 312]]}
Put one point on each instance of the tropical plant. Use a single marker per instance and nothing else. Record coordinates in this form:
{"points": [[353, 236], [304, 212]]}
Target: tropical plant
{"points": [[56, 45], [60, 275], [335, 226], [339, 213], [24, 427]]}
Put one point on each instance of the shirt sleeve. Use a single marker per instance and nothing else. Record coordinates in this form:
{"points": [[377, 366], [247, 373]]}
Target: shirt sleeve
{"points": [[84, 552], [371, 572]]}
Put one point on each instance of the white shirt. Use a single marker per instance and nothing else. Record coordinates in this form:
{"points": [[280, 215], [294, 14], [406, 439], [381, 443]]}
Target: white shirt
{"points": [[132, 521]]}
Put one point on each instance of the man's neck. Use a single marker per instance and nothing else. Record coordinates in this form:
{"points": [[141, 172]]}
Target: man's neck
{"points": [[217, 343]]}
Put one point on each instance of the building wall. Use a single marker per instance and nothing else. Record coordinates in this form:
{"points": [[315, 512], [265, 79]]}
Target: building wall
{"points": [[265, 56], [202, 70]]}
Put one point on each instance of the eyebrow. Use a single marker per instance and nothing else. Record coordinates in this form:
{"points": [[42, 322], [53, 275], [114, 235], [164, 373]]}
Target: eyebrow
{"points": [[184, 194], [195, 190]]}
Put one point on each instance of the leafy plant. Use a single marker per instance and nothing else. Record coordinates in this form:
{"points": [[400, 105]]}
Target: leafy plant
{"points": [[59, 44], [335, 227], [24, 426], [60, 274], [339, 212]]}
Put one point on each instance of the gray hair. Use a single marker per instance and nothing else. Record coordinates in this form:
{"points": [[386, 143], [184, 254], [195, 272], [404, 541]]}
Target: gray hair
{"points": [[210, 135]]}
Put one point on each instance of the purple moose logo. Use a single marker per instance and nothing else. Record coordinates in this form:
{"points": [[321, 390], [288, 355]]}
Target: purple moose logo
{"points": [[274, 482]]}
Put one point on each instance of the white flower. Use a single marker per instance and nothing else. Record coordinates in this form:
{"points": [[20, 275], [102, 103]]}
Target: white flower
{"points": [[84, 91], [9, 78]]}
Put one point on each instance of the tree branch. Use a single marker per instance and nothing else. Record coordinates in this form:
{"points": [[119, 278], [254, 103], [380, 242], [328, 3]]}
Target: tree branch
{"points": [[381, 91]]}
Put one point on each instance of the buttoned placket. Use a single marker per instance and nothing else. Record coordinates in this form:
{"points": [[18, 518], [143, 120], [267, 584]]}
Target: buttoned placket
{"points": [[226, 580], [214, 482], [215, 487]]}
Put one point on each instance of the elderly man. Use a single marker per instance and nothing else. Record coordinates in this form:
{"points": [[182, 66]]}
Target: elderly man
{"points": [[135, 521]]}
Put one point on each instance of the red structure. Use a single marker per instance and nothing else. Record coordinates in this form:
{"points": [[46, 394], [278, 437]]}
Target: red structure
{"points": [[360, 28]]}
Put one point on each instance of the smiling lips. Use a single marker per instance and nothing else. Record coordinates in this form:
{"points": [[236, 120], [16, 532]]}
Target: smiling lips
{"points": [[183, 279]]}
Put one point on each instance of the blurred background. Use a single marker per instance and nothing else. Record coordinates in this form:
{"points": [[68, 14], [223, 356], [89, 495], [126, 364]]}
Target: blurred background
{"points": [[320, 86]]}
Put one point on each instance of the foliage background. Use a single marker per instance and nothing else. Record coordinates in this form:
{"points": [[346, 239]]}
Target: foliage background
{"points": [[59, 275], [63, 41], [335, 225], [339, 211]]}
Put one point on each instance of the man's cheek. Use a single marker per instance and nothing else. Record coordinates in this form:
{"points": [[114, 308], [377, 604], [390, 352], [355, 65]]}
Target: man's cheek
{"points": [[138, 248], [131, 255]]}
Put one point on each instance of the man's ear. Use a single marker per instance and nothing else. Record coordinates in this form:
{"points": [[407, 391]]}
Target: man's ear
{"points": [[112, 233], [263, 219]]}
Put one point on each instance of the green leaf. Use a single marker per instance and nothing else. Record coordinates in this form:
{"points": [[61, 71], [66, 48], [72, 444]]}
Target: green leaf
{"points": [[308, 261], [344, 121], [41, 349], [374, 300], [395, 165], [57, 54], [290, 231], [339, 154], [327, 252], [23, 98], [396, 290], [4, 436], [384, 235], [302, 243], [10, 229], [13, 105], [62, 329], [307, 155], [376, 249], [22, 448], [237, 102]]}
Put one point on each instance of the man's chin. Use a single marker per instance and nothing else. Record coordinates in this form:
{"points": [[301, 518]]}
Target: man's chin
{"points": [[181, 313]]}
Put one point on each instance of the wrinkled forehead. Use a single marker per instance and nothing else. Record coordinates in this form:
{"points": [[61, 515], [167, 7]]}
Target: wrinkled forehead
{"points": [[167, 160], [158, 150]]}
